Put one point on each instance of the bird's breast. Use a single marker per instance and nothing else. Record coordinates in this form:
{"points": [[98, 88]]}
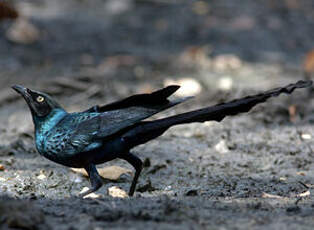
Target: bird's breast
{"points": [[39, 142]]}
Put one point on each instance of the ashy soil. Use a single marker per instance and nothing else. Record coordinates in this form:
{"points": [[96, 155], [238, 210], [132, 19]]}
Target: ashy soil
{"points": [[251, 171]]}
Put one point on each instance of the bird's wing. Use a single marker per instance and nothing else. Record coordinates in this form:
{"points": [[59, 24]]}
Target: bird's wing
{"points": [[117, 116], [150, 100], [87, 133], [108, 123]]}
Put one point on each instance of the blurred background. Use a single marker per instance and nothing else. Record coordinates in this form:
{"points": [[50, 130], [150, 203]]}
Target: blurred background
{"points": [[151, 43]]}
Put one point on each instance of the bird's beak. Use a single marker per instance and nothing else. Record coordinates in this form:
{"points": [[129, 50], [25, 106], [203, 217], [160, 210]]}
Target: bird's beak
{"points": [[26, 93], [20, 89]]}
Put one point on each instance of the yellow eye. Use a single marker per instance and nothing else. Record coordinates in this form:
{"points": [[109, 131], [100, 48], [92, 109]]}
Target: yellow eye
{"points": [[40, 99]]}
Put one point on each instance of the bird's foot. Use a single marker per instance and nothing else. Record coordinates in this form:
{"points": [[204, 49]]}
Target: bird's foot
{"points": [[95, 180], [88, 192]]}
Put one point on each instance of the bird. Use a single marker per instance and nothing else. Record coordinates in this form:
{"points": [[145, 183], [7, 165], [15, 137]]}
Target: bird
{"points": [[106, 132]]}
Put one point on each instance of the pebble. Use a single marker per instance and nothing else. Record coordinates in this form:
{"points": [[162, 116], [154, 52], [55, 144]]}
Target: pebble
{"points": [[115, 191]]}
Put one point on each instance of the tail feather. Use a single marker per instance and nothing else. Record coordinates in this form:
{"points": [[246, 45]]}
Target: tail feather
{"points": [[146, 131], [220, 111]]}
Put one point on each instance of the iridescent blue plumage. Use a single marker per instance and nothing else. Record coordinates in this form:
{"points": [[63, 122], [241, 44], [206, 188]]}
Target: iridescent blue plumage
{"points": [[60, 131], [43, 126]]}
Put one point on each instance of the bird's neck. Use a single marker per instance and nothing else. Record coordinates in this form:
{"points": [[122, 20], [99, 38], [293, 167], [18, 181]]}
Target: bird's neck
{"points": [[44, 124]]}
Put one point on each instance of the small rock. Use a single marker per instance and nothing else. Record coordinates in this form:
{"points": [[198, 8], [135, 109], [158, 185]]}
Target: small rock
{"points": [[225, 83], [41, 177], [306, 136], [304, 194], [22, 32], [301, 173], [2, 168], [271, 196], [115, 191], [221, 147]]}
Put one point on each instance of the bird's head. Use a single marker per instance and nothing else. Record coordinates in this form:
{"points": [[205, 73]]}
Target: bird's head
{"points": [[40, 104]]}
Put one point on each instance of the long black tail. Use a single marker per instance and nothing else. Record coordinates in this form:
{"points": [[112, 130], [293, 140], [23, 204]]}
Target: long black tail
{"points": [[146, 131]]}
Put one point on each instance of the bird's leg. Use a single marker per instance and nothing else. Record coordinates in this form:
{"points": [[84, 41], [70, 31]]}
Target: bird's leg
{"points": [[95, 179], [137, 164]]}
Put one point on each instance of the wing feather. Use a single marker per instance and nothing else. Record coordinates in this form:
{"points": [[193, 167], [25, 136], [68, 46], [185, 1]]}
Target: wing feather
{"points": [[147, 100], [88, 129]]}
